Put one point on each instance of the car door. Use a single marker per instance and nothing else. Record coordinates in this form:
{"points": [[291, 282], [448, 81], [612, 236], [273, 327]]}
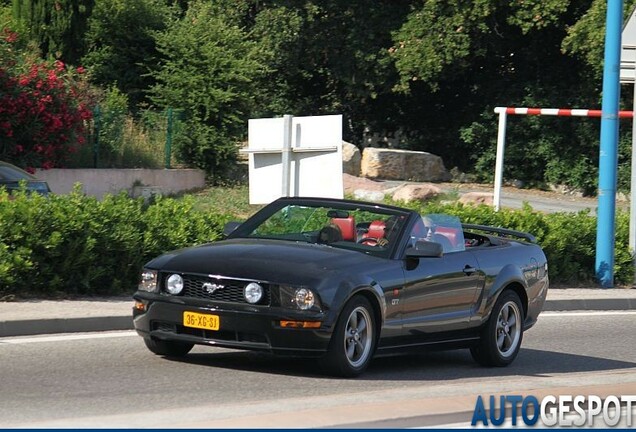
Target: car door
{"points": [[439, 293]]}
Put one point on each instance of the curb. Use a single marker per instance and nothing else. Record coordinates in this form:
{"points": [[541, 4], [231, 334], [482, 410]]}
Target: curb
{"points": [[613, 304], [124, 322], [64, 325]]}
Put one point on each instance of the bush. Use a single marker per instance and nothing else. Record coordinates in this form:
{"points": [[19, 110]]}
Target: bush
{"points": [[77, 245], [209, 71], [43, 107]]}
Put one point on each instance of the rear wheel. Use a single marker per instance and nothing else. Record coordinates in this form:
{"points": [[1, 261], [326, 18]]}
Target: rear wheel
{"points": [[168, 348], [501, 337], [353, 341]]}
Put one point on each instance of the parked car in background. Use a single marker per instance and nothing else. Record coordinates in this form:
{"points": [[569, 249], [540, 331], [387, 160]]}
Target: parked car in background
{"points": [[11, 176], [343, 281]]}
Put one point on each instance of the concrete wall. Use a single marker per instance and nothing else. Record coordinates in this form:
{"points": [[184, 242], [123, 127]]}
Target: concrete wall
{"points": [[137, 182]]}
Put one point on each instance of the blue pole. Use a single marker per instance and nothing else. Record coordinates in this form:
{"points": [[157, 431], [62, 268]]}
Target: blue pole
{"points": [[608, 156]]}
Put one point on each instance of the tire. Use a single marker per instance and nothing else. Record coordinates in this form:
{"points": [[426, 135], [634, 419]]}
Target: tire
{"points": [[501, 337], [353, 341], [168, 348]]}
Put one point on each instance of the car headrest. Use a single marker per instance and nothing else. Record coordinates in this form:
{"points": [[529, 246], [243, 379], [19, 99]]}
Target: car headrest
{"points": [[347, 227]]}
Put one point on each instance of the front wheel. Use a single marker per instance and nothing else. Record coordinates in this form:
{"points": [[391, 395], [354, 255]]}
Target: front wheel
{"points": [[168, 348], [353, 341], [501, 337]]}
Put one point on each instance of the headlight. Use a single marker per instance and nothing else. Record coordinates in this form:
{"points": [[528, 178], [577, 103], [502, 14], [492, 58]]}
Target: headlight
{"points": [[304, 298], [301, 298], [253, 292], [148, 281], [174, 284]]}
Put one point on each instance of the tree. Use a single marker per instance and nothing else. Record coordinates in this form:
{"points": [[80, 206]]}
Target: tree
{"points": [[120, 44], [586, 38], [330, 57], [57, 26], [458, 60], [209, 72]]}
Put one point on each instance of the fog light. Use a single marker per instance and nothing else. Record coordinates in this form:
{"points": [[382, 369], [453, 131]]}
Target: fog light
{"points": [[148, 281], [174, 284], [253, 292]]}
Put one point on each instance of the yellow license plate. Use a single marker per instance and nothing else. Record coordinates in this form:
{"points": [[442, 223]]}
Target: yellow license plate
{"points": [[201, 321]]}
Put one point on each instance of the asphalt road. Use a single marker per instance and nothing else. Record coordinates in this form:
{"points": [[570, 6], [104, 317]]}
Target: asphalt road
{"points": [[548, 202], [111, 380]]}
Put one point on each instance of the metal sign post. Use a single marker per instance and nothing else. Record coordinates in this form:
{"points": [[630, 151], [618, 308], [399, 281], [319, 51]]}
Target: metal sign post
{"points": [[608, 152], [286, 153]]}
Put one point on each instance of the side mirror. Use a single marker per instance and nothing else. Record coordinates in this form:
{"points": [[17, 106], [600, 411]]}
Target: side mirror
{"points": [[423, 248], [230, 227]]}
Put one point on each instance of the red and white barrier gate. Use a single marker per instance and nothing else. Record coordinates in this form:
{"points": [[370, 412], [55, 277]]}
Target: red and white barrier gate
{"points": [[501, 133]]}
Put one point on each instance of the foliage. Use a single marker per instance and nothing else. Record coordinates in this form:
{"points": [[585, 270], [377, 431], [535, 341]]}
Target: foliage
{"points": [[586, 38], [120, 47], [208, 72], [331, 57], [232, 200], [77, 245], [120, 139], [109, 123], [56, 26], [430, 70], [43, 107]]}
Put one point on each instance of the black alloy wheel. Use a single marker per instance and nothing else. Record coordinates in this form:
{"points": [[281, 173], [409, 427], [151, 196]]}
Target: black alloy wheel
{"points": [[501, 337]]}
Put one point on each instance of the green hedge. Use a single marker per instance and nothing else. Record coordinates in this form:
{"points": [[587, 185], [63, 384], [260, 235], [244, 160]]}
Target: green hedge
{"points": [[77, 245]]}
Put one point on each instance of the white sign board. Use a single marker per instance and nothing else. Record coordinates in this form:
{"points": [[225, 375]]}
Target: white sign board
{"points": [[315, 158], [628, 50]]}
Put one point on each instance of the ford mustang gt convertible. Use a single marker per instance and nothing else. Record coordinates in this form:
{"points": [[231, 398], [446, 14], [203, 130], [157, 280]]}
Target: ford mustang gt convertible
{"points": [[343, 281]]}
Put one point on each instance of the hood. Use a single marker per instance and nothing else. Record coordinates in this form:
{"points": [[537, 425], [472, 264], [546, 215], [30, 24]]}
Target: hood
{"points": [[266, 260]]}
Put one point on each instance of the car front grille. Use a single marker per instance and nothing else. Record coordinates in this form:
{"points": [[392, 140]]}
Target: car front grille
{"points": [[219, 289]]}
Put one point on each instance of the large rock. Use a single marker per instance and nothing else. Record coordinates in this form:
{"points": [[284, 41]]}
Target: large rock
{"points": [[390, 164], [351, 159], [367, 195], [352, 183], [477, 198], [416, 192]]}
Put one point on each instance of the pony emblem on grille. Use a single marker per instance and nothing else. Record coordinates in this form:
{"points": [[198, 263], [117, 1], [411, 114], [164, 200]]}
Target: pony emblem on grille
{"points": [[212, 287]]}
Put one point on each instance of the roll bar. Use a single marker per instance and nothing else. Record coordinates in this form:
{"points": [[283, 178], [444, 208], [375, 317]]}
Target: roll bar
{"points": [[504, 231]]}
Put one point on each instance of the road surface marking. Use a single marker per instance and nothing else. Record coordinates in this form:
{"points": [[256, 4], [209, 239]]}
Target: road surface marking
{"points": [[67, 337]]}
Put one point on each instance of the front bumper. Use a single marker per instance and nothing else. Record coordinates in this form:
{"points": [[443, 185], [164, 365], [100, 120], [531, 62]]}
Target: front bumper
{"points": [[241, 326]]}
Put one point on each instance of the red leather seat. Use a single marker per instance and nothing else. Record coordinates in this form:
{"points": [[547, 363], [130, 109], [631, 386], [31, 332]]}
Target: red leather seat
{"points": [[376, 230], [347, 227], [449, 233]]}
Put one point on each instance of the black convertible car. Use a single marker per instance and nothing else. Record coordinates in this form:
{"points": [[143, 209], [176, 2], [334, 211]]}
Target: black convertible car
{"points": [[344, 281]]}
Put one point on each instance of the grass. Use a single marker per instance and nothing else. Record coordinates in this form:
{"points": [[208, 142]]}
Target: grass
{"points": [[228, 199], [126, 142], [235, 200]]}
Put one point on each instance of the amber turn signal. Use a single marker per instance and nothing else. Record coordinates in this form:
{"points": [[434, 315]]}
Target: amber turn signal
{"points": [[140, 306], [300, 324]]}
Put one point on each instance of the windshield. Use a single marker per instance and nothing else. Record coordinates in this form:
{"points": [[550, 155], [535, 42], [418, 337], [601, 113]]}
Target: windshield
{"points": [[10, 172], [440, 228], [40, 187], [367, 229]]}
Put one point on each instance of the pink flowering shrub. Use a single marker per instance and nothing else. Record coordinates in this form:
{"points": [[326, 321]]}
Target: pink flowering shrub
{"points": [[44, 107]]}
